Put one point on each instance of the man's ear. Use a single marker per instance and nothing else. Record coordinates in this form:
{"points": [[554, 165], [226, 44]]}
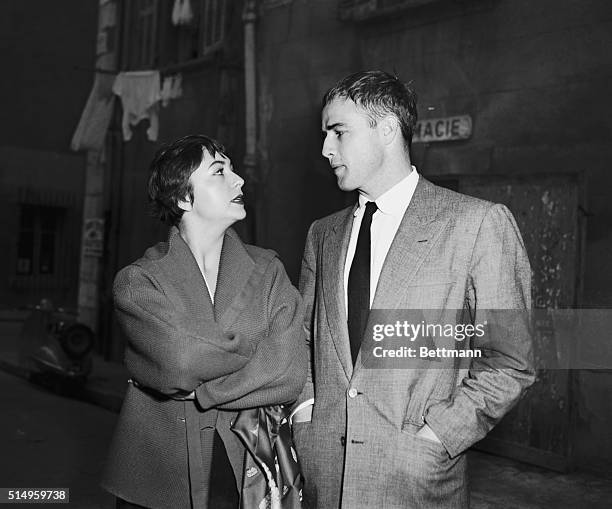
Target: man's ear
{"points": [[389, 128]]}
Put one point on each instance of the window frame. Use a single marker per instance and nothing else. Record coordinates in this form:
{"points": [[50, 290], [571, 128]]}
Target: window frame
{"points": [[37, 231], [165, 46], [363, 10]]}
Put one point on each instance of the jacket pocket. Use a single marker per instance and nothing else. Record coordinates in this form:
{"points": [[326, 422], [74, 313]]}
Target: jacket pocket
{"points": [[412, 429]]}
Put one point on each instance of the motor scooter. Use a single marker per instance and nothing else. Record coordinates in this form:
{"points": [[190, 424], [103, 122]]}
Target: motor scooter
{"points": [[55, 348]]}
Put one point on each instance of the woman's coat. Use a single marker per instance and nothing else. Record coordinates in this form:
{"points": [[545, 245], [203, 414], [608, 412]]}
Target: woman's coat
{"points": [[247, 350]]}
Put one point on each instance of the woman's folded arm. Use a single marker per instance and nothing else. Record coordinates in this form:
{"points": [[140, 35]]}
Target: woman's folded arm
{"points": [[276, 371], [162, 352]]}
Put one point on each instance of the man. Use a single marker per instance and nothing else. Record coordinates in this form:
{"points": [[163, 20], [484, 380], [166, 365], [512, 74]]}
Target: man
{"points": [[391, 438]]}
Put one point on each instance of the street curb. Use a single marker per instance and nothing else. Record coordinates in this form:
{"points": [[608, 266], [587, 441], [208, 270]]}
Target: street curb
{"points": [[14, 369], [94, 395]]}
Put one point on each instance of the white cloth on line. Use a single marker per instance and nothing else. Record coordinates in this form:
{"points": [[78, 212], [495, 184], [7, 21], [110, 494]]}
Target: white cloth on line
{"points": [[95, 119], [172, 88], [140, 94], [182, 13]]}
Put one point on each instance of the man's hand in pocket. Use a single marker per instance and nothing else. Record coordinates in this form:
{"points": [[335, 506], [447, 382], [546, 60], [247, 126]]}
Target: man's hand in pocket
{"points": [[427, 433]]}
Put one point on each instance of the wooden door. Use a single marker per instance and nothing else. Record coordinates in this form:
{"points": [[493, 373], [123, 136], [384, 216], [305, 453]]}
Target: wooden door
{"points": [[546, 208]]}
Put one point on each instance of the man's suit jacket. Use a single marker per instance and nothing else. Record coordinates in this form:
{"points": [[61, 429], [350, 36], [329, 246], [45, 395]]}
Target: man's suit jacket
{"points": [[246, 351], [360, 450]]}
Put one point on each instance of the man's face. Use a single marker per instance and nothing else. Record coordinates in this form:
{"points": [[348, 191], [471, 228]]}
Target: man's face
{"points": [[217, 191], [353, 148]]}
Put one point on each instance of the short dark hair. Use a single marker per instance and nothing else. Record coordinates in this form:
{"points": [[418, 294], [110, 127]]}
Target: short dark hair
{"points": [[171, 168], [379, 93]]}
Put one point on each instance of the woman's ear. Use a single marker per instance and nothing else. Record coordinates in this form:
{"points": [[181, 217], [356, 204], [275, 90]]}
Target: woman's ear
{"points": [[185, 204]]}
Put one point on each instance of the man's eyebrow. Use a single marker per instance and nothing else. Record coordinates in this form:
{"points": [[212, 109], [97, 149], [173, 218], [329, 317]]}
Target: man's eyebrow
{"points": [[330, 127]]}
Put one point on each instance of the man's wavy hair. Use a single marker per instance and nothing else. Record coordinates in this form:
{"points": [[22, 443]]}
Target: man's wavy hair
{"points": [[379, 94], [171, 168]]}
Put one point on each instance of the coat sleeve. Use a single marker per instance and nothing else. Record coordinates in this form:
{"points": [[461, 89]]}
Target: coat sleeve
{"points": [[307, 289], [163, 351], [499, 281], [276, 371]]}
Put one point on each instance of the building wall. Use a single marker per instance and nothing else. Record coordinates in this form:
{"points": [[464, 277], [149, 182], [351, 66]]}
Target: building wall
{"points": [[197, 111], [43, 93], [47, 179], [212, 103], [532, 75], [41, 99]]}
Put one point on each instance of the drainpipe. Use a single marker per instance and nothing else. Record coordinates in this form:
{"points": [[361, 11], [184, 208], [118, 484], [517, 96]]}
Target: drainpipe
{"points": [[249, 18]]}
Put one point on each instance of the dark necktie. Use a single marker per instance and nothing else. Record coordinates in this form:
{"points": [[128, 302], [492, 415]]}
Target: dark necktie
{"points": [[359, 283]]}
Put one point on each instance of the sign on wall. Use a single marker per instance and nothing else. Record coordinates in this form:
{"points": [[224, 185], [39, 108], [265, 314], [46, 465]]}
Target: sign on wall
{"points": [[443, 129], [93, 237]]}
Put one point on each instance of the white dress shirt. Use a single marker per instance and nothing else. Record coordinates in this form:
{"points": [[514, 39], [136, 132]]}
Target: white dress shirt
{"points": [[392, 206]]}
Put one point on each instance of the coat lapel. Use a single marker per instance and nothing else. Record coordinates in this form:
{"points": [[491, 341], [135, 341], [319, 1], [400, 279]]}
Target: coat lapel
{"points": [[182, 272], [335, 246], [235, 285], [234, 281]]}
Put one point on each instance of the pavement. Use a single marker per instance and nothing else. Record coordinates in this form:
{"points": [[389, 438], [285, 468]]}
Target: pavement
{"points": [[53, 442], [105, 387], [496, 482]]}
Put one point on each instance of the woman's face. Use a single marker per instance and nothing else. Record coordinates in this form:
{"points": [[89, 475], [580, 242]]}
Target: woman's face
{"points": [[217, 192]]}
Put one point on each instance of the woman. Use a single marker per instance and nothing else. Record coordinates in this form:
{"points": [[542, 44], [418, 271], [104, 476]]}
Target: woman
{"points": [[213, 327]]}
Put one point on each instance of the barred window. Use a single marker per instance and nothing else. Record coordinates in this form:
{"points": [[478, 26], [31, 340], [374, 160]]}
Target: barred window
{"points": [[39, 231], [141, 21], [155, 37], [366, 9], [212, 24]]}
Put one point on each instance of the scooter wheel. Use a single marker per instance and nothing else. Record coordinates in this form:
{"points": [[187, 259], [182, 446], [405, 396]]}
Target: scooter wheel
{"points": [[77, 340]]}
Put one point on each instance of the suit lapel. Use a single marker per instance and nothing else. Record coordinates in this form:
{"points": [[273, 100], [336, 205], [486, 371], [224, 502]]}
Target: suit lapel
{"points": [[335, 246], [414, 239]]}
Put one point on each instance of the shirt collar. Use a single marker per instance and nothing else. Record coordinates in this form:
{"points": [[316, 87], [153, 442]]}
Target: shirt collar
{"points": [[394, 201]]}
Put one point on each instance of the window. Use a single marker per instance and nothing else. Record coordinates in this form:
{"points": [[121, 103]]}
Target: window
{"points": [[39, 230], [365, 9], [142, 19], [153, 39], [212, 25]]}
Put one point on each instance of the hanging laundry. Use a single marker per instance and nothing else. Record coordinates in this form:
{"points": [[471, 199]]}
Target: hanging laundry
{"points": [[172, 88], [91, 130], [182, 13], [107, 16], [140, 95]]}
